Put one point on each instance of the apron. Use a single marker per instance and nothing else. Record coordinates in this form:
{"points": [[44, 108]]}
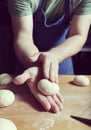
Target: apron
{"points": [[48, 35]]}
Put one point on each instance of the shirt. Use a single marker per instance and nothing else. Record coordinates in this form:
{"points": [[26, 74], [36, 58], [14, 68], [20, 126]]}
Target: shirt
{"points": [[53, 8]]}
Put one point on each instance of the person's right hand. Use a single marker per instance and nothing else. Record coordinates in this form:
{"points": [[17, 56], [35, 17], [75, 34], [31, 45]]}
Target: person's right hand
{"points": [[50, 64], [32, 76]]}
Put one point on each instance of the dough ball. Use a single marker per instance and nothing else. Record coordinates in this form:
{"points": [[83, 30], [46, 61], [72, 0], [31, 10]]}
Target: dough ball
{"points": [[81, 80], [48, 88], [7, 97], [5, 79], [6, 124]]}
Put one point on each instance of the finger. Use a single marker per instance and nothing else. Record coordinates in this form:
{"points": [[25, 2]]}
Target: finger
{"points": [[46, 68], [60, 97], [34, 58], [58, 102], [43, 101], [54, 72], [54, 106], [41, 57], [21, 79]]}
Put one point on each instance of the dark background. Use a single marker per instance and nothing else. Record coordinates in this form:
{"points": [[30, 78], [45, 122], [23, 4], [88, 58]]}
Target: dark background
{"points": [[7, 56], [81, 61]]}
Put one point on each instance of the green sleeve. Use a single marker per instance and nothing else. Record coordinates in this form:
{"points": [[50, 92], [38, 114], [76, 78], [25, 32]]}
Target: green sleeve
{"points": [[83, 8], [19, 7]]}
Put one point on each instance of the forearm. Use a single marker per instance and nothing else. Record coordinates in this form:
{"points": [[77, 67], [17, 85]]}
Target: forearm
{"points": [[24, 48], [23, 38], [76, 38], [69, 47]]}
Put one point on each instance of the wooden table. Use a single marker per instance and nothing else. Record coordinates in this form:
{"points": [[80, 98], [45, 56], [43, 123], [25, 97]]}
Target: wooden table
{"points": [[28, 114]]}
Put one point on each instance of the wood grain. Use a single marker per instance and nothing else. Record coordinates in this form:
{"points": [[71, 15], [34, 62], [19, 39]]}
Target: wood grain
{"points": [[28, 114]]}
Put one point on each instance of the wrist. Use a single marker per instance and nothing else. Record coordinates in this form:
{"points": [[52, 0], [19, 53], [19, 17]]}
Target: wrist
{"points": [[56, 52]]}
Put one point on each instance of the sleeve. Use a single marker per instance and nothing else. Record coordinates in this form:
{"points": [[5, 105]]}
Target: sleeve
{"points": [[83, 8], [19, 7]]}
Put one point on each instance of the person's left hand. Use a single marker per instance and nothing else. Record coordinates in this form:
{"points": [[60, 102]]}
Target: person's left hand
{"points": [[49, 62], [32, 76]]}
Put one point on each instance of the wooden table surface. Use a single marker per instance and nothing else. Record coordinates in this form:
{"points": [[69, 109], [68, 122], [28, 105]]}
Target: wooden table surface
{"points": [[27, 113]]}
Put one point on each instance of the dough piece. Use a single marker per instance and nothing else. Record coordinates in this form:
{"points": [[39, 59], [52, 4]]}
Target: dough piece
{"points": [[6, 124], [7, 97], [48, 88], [5, 79], [81, 80]]}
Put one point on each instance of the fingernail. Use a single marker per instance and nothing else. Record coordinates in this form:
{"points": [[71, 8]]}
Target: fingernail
{"points": [[52, 80], [47, 76], [62, 99], [61, 107]]}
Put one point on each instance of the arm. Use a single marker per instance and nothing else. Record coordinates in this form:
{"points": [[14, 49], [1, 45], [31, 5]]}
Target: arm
{"points": [[23, 39], [76, 38], [24, 48], [32, 76]]}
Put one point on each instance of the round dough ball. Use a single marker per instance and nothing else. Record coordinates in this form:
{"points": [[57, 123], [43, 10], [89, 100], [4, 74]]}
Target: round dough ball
{"points": [[6, 124], [7, 97], [81, 80], [5, 79], [48, 88]]}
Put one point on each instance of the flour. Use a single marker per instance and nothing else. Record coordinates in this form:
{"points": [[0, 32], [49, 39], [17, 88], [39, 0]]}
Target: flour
{"points": [[43, 123]]}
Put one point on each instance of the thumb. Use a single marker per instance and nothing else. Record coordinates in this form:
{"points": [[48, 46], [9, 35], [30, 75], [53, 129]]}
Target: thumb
{"points": [[21, 79], [34, 58]]}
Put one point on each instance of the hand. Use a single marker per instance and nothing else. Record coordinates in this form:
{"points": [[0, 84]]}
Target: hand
{"points": [[32, 76], [50, 64]]}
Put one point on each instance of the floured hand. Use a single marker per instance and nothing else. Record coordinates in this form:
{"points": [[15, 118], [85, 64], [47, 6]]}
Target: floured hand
{"points": [[31, 76]]}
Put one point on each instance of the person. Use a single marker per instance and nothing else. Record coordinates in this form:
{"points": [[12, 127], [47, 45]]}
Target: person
{"points": [[46, 34]]}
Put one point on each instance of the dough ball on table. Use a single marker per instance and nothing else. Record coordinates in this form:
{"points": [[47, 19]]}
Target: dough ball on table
{"points": [[81, 80], [5, 79], [7, 97], [6, 124], [48, 88]]}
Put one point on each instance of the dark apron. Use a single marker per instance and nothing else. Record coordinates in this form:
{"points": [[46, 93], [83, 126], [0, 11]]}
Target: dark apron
{"points": [[47, 36]]}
